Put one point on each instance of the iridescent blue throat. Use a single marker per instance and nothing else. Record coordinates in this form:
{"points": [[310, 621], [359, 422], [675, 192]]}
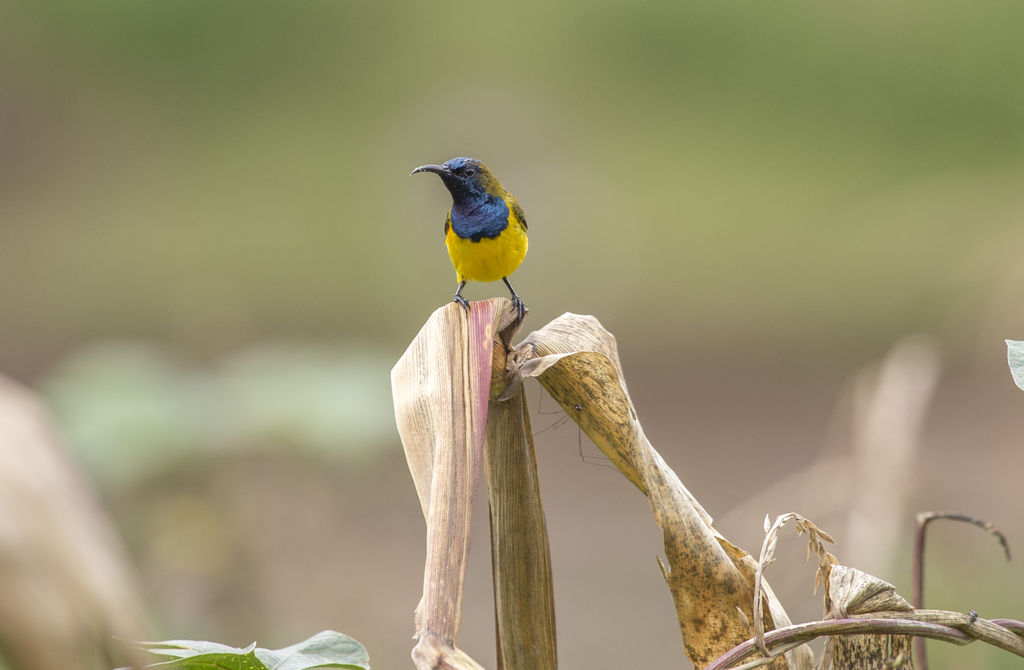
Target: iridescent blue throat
{"points": [[479, 216]]}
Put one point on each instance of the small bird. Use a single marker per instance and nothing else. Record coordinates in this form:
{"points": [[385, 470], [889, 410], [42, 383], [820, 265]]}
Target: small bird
{"points": [[484, 230]]}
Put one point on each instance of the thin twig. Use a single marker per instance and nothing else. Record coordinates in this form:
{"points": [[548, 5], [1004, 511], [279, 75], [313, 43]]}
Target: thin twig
{"points": [[923, 519], [805, 632], [953, 627], [1011, 625]]}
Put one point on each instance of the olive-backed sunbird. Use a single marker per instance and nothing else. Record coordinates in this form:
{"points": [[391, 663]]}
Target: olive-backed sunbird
{"points": [[484, 230]]}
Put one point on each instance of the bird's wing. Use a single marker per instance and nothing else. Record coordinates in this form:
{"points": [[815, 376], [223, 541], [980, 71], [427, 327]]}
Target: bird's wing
{"points": [[517, 210]]}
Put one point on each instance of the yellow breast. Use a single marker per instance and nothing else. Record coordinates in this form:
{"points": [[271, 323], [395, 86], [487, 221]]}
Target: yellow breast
{"points": [[490, 259]]}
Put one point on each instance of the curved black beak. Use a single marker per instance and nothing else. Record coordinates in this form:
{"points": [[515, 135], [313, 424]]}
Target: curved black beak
{"points": [[437, 169]]}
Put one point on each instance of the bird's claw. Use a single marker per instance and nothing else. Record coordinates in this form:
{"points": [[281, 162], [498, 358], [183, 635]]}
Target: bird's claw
{"points": [[462, 301], [520, 308]]}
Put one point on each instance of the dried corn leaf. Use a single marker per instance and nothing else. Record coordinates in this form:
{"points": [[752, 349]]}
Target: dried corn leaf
{"points": [[851, 591], [712, 585], [523, 595], [440, 388]]}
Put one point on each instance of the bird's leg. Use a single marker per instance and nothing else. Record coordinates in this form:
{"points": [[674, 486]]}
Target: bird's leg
{"points": [[516, 300], [458, 295]]}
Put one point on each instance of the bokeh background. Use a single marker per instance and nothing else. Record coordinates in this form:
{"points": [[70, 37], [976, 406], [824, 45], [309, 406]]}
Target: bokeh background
{"points": [[212, 252]]}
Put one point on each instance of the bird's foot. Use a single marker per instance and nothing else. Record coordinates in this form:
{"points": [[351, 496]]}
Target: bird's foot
{"points": [[520, 307], [462, 301]]}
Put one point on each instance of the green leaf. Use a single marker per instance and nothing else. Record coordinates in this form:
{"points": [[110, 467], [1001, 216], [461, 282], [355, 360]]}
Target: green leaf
{"points": [[326, 649], [189, 648], [1015, 356], [215, 661], [202, 655]]}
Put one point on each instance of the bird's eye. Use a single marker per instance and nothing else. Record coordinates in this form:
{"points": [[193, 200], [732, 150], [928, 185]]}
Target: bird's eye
{"points": [[469, 172]]}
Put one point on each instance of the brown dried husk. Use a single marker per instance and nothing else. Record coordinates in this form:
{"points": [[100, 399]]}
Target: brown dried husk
{"points": [[712, 581], [441, 388]]}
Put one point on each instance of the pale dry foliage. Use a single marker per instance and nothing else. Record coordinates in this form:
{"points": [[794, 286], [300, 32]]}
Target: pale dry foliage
{"points": [[68, 597], [458, 396], [459, 407]]}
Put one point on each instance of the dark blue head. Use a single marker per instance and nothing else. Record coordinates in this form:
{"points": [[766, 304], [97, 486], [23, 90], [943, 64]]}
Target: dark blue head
{"points": [[465, 178]]}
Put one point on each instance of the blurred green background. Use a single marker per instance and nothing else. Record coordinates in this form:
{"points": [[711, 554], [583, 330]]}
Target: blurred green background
{"points": [[211, 253]]}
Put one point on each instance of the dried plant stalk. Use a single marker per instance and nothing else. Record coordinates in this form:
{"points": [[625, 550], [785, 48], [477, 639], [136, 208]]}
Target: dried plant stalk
{"points": [[442, 387], [712, 581], [523, 595]]}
